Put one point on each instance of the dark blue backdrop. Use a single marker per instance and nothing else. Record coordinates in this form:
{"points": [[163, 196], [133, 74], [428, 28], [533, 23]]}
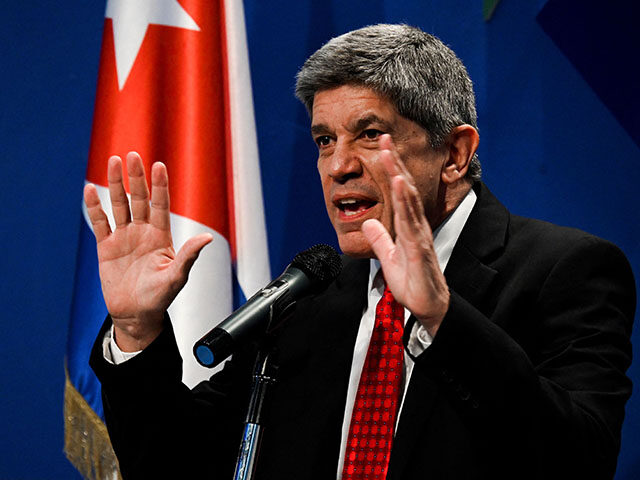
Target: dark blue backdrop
{"points": [[557, 101]]}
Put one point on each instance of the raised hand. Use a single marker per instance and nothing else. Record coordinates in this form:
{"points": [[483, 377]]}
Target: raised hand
{"points": [[409, 261], [140, 272]]}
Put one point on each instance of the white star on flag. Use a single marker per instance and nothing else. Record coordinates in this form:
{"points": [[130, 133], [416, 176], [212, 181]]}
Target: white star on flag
{"points": [[130, 22]]}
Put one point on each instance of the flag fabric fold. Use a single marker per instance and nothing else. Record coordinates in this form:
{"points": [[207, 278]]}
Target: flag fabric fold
{"points": [[174, 85]]}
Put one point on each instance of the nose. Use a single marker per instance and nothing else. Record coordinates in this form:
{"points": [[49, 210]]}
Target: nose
{"points": [[344, 163]]}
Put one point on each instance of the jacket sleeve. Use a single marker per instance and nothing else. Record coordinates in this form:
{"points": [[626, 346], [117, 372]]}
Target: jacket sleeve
{"points": [[552, 406], [160, 428]]}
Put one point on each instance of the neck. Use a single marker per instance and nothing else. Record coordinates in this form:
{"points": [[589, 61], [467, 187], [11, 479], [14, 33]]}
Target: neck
{"points": [[449, 197]]}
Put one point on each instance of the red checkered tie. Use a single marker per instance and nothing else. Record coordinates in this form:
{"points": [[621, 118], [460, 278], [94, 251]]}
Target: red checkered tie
{"points": [[376, 405]]}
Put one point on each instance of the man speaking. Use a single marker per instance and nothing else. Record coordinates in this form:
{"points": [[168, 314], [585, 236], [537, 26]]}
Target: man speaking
{"points": [[458, 342]]}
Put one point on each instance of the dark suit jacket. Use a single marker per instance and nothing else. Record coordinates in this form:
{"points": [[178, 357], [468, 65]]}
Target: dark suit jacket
{"points": [[525, 378]]}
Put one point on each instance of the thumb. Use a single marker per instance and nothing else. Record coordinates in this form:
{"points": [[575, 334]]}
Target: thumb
{"points": [[378, 237], [188, 254]]}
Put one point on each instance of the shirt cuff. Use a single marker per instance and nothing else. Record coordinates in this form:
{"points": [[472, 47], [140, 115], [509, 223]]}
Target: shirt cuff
{"points": [[419, 339], [112, 352]]}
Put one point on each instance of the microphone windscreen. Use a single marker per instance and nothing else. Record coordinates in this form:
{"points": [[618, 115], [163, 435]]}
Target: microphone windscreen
{"points": [[321, 263]]}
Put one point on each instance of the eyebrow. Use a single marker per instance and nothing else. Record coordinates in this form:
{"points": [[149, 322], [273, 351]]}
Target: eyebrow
{"points": [[320, 129], [367, 120], [355, 126]]}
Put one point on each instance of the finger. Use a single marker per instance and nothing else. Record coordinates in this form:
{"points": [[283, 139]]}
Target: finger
{"points": [[139, 189], [119, 200], [413, 233], [401, 214], [99, 221], [379, 239], [419, 212], [187, 255], [391, 160], [407, 202], [159, 216], [408, 213]]}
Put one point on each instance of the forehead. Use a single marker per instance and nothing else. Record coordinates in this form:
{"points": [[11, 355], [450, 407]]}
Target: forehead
{"points": [[349, 102]]}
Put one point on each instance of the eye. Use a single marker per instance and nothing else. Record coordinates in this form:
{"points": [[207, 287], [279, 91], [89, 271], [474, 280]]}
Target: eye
{"points": [[371, 134], [323, 140]]}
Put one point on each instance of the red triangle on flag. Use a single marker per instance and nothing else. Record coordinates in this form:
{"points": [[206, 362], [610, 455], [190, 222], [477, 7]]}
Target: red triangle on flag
{"points": [[173, 109]]}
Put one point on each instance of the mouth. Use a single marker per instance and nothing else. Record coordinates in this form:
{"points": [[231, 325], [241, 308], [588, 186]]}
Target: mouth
{"points": [[352, 208]]}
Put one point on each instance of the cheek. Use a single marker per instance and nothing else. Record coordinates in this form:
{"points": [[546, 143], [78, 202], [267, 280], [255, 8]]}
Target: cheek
{"points": [[323, 180], [426, 176], [325, 188]]}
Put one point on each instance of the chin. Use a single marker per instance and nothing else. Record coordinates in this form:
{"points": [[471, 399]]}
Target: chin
{"points": [[355, 245]]}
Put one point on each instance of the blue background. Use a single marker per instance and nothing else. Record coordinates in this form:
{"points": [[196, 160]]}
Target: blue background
{"points": [[557, 89]]}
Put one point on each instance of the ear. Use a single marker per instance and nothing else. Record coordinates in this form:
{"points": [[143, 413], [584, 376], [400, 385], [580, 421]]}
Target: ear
{"points": [[461, 145]]}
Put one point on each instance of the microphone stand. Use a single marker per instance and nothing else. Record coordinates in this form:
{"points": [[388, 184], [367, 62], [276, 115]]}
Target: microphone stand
{"points": [[264, 376]]}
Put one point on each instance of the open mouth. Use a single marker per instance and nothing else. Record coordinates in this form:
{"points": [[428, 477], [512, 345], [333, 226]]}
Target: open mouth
{"points": [[351, 207]]}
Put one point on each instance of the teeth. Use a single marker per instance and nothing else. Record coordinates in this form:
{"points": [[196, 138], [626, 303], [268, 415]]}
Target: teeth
{"points": [[353, 206]]}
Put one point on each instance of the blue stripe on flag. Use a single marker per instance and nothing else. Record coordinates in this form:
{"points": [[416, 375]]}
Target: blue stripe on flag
{"points": [[88, 312], [239, 297]]}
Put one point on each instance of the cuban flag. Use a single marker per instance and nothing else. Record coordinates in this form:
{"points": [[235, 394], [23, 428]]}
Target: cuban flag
{"points": [[174, 85]]}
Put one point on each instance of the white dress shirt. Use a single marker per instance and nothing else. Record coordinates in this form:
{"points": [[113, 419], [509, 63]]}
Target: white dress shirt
{"points": [[444, 239]]}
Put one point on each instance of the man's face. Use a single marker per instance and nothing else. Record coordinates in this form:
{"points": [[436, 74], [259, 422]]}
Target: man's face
{"points": [[347, 122]]}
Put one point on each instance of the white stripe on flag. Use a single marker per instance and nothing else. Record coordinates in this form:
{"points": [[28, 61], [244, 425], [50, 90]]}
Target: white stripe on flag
{"points": [[251, 239]]}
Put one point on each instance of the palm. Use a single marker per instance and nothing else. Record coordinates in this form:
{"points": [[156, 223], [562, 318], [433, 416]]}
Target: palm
{"points": [[412, 273], [135, 269], [139, 270]]}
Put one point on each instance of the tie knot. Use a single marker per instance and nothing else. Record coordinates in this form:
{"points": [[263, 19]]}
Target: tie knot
{"points": [[389, 311], [387, 292]]}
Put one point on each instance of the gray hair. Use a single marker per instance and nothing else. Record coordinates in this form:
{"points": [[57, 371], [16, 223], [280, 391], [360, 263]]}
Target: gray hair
{"points": [[422, 77]]}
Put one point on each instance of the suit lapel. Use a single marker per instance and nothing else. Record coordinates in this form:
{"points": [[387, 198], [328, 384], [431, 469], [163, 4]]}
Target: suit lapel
{"points": [[469, 274], [418, 405], [470, 278]]}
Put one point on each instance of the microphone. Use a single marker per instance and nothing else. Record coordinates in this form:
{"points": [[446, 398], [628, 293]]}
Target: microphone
{"points": [[309, 272]]}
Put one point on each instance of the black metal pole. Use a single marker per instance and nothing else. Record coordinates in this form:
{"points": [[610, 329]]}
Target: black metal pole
{"points": [[263, 378]]}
